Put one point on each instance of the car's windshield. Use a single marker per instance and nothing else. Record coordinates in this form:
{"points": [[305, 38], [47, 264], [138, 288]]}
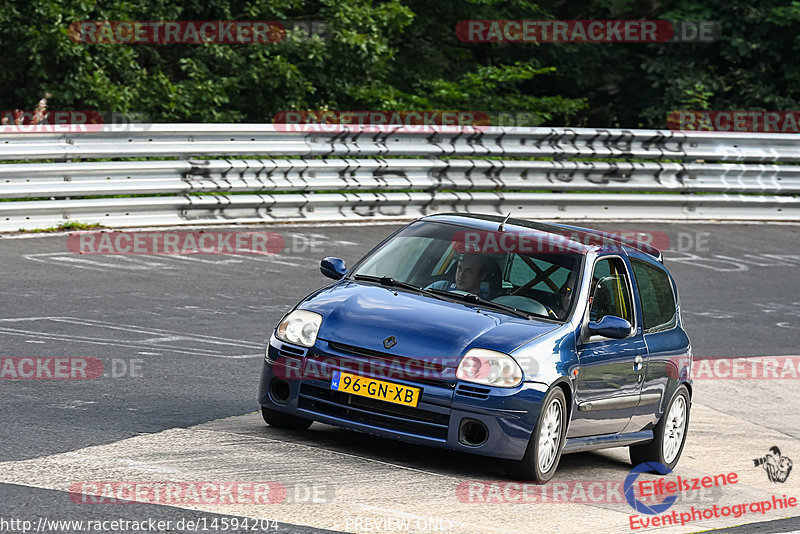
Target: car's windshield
{"points": [[438, 258]]}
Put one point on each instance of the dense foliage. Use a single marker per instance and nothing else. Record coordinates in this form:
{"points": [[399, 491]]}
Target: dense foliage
{"points": [[402, 55]]}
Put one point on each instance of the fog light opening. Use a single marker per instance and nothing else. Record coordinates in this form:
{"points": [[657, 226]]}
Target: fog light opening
{"points": [[472, 433], [279, 390]]}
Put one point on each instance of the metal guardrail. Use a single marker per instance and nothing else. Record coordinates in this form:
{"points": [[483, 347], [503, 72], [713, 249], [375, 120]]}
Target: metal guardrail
{"points": [[264, 174]]}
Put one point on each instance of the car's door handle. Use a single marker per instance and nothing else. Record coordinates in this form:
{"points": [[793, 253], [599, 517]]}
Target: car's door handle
{"points": [[637, 363]]}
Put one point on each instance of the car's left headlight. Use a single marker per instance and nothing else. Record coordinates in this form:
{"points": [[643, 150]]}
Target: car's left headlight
{"points": [[490, 368], [299, 327]]}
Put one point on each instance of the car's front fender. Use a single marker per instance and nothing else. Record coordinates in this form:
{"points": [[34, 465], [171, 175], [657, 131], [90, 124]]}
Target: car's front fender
{"points": [[549, 357]]}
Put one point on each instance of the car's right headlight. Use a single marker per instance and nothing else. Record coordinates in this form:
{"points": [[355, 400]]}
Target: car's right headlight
{"points": [[299, 327], [490, 368]]}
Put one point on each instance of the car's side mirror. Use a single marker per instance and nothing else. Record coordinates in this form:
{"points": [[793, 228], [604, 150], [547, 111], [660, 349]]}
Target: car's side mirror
{"points": [[611, 326], [333, 268]]}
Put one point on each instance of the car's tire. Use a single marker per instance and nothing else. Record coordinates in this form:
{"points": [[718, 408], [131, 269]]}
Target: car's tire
{"points": [[284, 420], [544, 448], [669, 435]]}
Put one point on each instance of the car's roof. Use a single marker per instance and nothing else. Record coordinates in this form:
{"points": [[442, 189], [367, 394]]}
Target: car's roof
{"points": [[582, 239]]}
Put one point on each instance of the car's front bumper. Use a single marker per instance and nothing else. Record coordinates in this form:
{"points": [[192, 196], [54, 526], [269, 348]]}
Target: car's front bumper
{"points": [[509, 415]]}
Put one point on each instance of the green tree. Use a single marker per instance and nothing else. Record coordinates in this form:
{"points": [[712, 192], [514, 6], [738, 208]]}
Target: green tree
{"points": [[377, 55]]}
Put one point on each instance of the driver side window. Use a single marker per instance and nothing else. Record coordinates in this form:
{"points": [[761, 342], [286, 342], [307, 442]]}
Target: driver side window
{"points": [[610, 293]]}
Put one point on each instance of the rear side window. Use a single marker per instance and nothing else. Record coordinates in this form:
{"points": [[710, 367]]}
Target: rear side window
{"points": [[658, 301]]}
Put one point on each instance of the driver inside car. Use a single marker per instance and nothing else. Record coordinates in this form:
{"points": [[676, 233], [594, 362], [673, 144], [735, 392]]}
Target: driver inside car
{"points": [[471, 274]]}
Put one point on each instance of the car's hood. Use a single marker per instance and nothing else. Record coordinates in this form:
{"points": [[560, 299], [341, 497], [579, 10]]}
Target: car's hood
{"points": [[364, 315]]}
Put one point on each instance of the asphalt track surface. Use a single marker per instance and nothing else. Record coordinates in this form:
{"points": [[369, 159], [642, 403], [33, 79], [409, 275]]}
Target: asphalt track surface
{"points": [[193, 329]]}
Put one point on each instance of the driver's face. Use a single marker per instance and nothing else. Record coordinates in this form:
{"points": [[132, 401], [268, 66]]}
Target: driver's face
{"points": [[468, 274]]}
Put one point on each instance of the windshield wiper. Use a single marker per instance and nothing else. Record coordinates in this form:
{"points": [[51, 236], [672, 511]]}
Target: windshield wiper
{"points": [[387, 281], [470, 297], [441, 294]]}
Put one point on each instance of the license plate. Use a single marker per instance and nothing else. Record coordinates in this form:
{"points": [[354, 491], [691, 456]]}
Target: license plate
{"points": [[375, 389]]}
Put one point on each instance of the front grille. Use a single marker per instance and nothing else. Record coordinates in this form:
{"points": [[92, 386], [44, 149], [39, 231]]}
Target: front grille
{"points": [[413, 363], [389, 366], [472, 391], [374, 412]]}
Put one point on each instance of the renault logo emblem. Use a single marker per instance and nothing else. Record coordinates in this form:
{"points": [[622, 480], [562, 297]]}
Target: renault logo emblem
{"points": [[390, 342]]}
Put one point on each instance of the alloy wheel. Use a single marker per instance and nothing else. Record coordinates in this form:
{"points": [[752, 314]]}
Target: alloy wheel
{"points": [[674, 429], [550, 436]]}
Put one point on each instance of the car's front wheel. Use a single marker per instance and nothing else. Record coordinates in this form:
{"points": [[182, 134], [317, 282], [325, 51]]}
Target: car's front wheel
{"points": [[284, 420], [544, 449], [669, 435]]}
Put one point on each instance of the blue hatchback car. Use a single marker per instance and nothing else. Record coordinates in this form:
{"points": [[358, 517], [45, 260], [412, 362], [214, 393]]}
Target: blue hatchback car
{"points": [[500, 337]]}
